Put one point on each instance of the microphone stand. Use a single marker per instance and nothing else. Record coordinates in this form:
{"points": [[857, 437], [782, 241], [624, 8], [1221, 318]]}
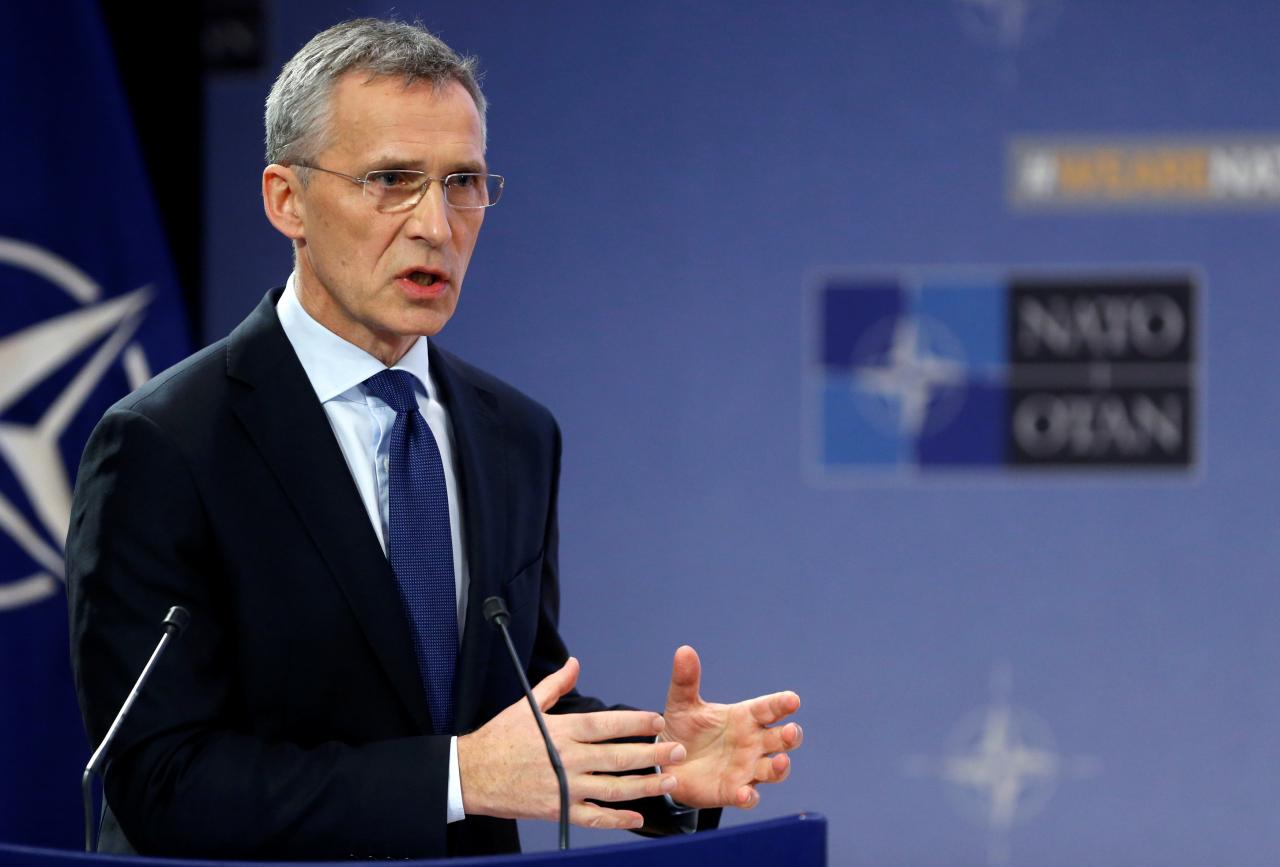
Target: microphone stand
{"points": [[174, 622], [495, 611]]}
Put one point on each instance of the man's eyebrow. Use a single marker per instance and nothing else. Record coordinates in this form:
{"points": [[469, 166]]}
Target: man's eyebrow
{"points": [[394, 162]]}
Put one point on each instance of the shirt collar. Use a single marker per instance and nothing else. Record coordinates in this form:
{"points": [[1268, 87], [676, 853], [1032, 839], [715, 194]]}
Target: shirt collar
{"points": [[333, 365]]}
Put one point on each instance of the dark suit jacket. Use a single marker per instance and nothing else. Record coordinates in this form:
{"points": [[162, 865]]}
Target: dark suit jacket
{"points": [[289, 721]]}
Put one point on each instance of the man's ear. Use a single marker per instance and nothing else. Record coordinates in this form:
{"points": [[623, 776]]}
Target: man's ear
{"points": [[282, 200]]}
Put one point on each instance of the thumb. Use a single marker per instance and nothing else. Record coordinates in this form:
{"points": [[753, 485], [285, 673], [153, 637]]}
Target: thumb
{"points": [[686, 677], [549, 690]]}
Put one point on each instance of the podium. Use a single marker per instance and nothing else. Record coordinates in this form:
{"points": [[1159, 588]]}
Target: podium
{"points": [[794, 841]]}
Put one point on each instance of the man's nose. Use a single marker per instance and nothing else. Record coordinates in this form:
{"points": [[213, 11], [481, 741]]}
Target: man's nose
{"points": [[429, 219]]}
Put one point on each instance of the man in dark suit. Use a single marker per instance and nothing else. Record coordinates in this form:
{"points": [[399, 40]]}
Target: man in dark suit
{"points": [[332, 496]]}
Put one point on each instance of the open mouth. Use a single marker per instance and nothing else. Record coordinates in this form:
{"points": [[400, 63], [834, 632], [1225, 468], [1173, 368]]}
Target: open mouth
{"points": [[423, 278]]}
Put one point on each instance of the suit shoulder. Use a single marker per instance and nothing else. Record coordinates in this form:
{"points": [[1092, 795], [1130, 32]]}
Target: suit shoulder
{"points": [[179, 391], [502, 397]]}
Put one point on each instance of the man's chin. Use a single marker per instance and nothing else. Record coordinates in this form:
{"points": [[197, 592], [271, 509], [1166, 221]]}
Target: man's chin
{"points": [[425, 315]]}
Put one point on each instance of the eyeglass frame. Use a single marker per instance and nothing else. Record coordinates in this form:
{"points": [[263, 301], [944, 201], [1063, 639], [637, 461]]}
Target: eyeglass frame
{"points": [[422, 190]]}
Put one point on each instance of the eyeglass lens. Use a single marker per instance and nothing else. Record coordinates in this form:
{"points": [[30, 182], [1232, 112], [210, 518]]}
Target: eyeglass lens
{"points": [[395, 190]]}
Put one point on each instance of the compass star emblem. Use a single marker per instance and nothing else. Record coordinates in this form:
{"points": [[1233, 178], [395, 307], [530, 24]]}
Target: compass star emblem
{"points": [[911, 376], [31, 450], [1002, 765], [1003, 761], [1008, 24]]}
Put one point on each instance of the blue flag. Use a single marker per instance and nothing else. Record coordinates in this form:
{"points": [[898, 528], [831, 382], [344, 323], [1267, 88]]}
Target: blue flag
{"points": [[89, 309]]}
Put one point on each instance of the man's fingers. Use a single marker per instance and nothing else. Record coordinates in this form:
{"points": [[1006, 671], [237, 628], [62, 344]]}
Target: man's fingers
{"points": [[780, 739], [609, 758], [686, 674], [772, 769], [549, 690], [605, 725], [768, 709], [595, 816], [606, 787], [670, 753], [747, 797]]}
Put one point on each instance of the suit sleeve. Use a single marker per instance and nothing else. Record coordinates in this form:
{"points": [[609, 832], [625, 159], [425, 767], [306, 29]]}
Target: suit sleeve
{"points": [[188, 776]]}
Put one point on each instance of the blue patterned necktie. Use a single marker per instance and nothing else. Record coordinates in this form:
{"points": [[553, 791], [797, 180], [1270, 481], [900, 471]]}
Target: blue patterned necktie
{"points": [[419, 544]]}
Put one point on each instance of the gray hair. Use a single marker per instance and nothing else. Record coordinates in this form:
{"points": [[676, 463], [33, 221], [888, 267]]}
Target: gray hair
{"points": [[298, 105]]}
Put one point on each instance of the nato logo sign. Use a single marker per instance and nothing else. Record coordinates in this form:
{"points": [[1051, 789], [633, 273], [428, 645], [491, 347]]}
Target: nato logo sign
{"points": [[934, 370]]}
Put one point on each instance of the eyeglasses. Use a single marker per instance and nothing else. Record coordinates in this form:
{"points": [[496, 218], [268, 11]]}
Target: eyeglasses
{"points": [[393, 190]]}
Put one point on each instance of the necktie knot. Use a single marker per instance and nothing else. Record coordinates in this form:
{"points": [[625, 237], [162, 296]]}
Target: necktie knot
{"points": [[395, 387]]}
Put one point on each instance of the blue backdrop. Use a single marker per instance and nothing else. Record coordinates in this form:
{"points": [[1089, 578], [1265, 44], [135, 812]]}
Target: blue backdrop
{"points": [[996, 667], [89, 309], [1050, 669]]}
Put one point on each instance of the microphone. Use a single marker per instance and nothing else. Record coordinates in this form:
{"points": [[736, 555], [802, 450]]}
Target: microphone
{"points": [[174, 623], [495, 611]]}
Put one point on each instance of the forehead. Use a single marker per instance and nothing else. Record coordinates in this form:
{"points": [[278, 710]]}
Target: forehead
{"points": [[380, 117]]}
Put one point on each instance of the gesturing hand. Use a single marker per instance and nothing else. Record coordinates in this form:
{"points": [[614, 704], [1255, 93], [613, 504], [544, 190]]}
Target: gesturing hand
{"points": [[504, 770], [731, 747]]}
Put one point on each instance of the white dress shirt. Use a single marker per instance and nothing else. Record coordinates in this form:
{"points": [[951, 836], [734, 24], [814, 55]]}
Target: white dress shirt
{"points": [[362, 424]]}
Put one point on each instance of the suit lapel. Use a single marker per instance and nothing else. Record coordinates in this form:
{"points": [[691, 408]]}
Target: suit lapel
{"points": [[288, 425], [481, 464]]}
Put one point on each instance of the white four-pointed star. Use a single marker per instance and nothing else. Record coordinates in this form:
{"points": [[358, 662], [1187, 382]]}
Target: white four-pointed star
{"points": [[910, 375], [1001, 766], [32, 452]]}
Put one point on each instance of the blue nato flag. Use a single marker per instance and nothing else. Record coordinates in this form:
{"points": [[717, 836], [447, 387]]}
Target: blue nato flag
{"points": [[89, 308]]}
